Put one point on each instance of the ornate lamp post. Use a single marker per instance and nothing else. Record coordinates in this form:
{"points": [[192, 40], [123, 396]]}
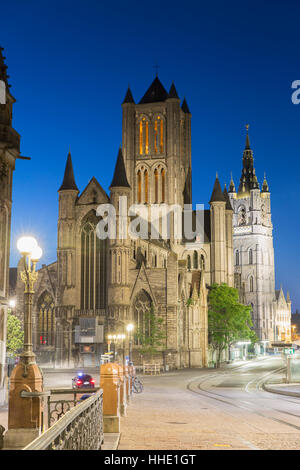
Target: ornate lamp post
{"points": [[130, 328], [31, 253], [26, 382]]}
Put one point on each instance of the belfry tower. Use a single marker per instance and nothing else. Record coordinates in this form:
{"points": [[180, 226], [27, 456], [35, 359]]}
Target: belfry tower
{"points": [[253, 246]]}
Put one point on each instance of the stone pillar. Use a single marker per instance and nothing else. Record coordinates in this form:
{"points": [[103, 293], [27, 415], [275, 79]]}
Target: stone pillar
{"points": [[24, 414], [110, 384], [123, 397]]}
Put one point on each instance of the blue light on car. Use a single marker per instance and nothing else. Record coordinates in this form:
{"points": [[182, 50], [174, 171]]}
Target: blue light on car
{"points": [[80, 374]]}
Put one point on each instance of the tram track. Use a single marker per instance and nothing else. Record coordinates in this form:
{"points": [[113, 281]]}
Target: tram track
{"points": [[198, 388]]}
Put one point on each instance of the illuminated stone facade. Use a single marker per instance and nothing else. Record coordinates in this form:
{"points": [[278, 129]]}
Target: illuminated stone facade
{"points": [[254, 266], [99, 286]]}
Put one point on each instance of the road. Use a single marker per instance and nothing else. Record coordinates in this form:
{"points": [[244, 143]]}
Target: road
{"points": [[209, 409], [204, 409]]}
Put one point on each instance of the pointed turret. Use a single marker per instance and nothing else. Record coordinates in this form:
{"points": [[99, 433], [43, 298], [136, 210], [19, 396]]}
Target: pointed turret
{"points": [[173, 92], [128, 97], [231, 185], [120, 178], [69, 180], [217, 194], [228, 206], [265, 186], [155, 93], [185, 107]]}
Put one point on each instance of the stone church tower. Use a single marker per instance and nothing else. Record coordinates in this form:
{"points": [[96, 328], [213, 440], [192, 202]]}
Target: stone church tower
{"points": [[254, 269], [97, 286], [9, 152]]}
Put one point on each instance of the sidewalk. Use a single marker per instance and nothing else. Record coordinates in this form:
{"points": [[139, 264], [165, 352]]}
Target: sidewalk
{"points": [[291, 390]]}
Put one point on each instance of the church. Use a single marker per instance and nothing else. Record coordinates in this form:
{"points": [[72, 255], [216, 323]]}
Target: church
{"points": [[98, 286]]}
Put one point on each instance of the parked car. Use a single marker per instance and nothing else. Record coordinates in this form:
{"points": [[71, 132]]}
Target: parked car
{"points": [[82, 380]]}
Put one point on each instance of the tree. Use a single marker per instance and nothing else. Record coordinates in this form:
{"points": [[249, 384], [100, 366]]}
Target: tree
{"points": [[14, 335], [228, 320], [151, 336]]}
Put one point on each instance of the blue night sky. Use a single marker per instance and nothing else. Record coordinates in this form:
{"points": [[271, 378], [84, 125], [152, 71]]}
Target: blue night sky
{"points": [[70, 63]]}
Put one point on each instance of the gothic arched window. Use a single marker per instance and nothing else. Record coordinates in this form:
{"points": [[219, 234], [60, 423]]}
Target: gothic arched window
{"points": [[146, 182], [250, 256], [251, 284], [163, 185], [141, 312], [93, 265], [46, 320], [237, 258], [139, 186], [202, 261], [189, 264], [156, 186], [144, 136], [195, 260], [158, 135]]}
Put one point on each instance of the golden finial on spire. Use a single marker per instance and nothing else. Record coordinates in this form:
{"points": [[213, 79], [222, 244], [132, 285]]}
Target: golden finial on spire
{"points": [[247, 127]]}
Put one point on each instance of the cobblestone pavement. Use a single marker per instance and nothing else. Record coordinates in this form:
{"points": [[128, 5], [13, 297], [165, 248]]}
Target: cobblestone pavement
{"points": [[228, 411]]}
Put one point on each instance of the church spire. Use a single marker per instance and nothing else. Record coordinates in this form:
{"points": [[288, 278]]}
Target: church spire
{"points": [[173, 92], [217, 194], [120, 178], [69, 180], [185, 107], [128, 97]]}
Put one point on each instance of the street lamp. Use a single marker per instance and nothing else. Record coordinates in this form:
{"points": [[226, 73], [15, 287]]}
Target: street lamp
{"points": [[31, 253], [26, 381], [130, 328]]}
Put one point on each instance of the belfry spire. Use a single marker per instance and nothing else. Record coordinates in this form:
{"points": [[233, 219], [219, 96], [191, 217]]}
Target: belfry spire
{"points": [[248, 178]]}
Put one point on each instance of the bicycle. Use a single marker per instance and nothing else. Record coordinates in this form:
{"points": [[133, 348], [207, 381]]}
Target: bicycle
{"points": [[137, 386]]}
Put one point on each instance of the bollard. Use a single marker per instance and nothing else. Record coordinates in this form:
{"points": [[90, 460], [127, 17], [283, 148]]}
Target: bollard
{"points": [[127, 383], [110, 384]]}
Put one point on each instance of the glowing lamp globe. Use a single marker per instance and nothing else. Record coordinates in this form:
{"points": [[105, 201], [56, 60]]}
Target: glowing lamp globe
{"points": [[26, 245], [36, 253], [129, 327]]}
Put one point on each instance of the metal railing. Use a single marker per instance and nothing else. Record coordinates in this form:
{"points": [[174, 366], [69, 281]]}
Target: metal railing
{"points": [[78, 428]]}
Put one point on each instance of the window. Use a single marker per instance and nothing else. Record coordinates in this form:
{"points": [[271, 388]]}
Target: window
{"points": [[46, 328], [189, 264], [139, 186], [163, 185], [250, 256], [158, 135], [237, 258], [141, 311], [93, 265], [144, 136], [146, 182], [195, 260], [251, 284], [156, 186]]}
